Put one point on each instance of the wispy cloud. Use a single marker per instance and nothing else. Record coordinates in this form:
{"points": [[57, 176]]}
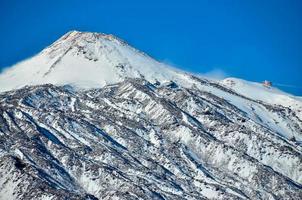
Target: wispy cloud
{"points": [[217, 74]]}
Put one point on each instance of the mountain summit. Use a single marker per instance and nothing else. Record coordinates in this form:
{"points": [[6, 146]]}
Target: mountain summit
{"points": [[92, 118], [92, 60], [87, 60]]}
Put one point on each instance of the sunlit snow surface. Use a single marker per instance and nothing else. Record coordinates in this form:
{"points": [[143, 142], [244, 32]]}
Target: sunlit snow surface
{"points": [[86, 60], [117, 124]]}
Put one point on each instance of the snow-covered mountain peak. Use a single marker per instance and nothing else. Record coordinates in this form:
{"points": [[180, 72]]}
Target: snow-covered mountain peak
{"points": [[85, 41], [145, 130], [93, 60], [87, 60], [80, 42]]}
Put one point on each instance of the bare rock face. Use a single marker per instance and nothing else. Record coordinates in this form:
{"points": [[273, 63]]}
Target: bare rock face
{"points": [[92, 118]]}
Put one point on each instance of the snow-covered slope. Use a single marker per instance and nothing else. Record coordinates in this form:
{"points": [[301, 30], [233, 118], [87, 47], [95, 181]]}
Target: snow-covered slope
{"points": [[269, 95], [86, 60], [137, 140], [140, 129]]}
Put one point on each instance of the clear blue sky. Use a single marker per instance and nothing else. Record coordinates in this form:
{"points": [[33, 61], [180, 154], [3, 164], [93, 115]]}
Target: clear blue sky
{"points": [[249, 39]]}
